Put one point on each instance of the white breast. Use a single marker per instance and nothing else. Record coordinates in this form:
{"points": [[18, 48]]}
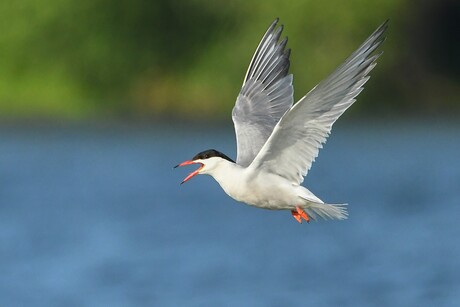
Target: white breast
{"points": [[264, 190]]}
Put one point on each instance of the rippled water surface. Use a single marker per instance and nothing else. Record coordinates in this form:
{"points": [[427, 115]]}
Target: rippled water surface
{"points": [[95, 216]]}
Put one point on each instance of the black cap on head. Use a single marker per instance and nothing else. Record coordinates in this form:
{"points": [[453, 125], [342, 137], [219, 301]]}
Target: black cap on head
{"points": [[211, 153]]}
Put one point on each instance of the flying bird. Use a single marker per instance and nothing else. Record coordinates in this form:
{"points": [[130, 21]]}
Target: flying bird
{"points": [[277, 141]]}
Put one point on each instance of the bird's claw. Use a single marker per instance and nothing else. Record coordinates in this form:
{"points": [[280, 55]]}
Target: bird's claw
{"points": [[300, 214]]}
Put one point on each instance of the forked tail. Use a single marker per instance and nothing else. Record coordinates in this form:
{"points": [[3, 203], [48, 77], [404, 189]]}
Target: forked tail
{"points": [[326, 211]]}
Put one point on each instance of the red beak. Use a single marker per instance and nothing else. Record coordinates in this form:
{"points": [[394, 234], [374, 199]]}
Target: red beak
{"points": [[192, 174]]}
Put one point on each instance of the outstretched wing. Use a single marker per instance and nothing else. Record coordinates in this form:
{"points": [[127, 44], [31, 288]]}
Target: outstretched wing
{"points": [[297, 138], [265, 96]]}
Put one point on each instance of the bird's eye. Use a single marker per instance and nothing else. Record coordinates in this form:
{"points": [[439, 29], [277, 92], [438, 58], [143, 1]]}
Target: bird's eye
{"points": [[206, 156]]}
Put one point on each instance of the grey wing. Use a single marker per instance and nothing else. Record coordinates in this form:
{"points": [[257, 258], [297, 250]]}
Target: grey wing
{"points": [[265, 96], [297, 138]]}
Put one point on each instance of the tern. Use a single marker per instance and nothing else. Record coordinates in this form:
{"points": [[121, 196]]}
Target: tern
{"points": [[277, 141]]}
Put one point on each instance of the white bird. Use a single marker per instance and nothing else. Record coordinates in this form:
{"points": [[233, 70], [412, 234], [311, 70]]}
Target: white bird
{"points": [[278, 141]]}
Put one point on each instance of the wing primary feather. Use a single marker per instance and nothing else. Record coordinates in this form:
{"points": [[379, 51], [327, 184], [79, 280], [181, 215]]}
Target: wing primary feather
{"points": [[282, 70], [265, 37], [266, 49], [269, 62]]}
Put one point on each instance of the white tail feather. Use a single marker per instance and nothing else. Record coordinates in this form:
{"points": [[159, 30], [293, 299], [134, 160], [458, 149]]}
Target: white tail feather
{"points": [[326, 211]]}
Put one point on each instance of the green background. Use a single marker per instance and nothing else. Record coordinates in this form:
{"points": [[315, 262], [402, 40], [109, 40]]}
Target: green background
{"points": [[95, 59]]}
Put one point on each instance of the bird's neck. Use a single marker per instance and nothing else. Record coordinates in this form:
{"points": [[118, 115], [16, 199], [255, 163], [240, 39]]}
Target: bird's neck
{"points": [[230, 176]]}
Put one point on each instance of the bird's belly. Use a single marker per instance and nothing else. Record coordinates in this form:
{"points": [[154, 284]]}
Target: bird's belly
{"points": [[274, 196]]}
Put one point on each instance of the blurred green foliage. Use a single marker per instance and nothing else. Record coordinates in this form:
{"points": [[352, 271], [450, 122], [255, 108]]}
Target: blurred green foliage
{"points": [[139, 58]]}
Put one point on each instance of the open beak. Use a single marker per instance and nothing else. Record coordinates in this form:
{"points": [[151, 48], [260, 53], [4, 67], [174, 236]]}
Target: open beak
{"points": [[192, 174]]}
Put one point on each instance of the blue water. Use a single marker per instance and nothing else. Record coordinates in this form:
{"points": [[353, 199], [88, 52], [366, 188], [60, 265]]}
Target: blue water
{"points": [[95, 216]]}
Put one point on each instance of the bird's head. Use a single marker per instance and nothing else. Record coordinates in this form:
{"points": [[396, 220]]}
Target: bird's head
{"points": [[209, 160]]}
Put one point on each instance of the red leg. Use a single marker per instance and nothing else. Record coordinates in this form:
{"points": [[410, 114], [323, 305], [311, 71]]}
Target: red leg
{"points": [[296, 215], [303, 214]]}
